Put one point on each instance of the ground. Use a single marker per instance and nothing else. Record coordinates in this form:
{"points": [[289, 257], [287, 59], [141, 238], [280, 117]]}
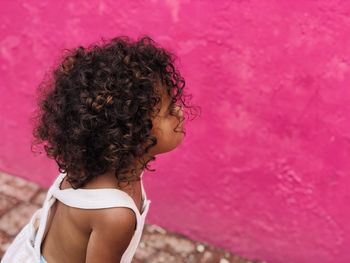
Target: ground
{"points": [[20, 198]]}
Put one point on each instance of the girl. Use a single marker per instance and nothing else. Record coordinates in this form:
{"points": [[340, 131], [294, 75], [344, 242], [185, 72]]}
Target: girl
{"points": [[103, 114]]}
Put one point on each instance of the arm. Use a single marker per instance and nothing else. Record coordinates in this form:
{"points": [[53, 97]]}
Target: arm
{"points": [[112, 231]]}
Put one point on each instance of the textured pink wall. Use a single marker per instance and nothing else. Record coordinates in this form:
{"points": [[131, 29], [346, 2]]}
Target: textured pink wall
{"points": [[265, 171]]}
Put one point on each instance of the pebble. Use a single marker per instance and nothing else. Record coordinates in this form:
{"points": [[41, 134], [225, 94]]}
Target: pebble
{"points": [[200, 248], [224, 260]]}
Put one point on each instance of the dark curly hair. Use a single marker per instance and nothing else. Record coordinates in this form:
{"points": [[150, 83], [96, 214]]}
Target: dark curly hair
{"points": [[95, 109]]}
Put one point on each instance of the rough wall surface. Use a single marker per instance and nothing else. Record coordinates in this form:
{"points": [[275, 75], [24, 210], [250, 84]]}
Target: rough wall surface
{"points": [[264, 171]]}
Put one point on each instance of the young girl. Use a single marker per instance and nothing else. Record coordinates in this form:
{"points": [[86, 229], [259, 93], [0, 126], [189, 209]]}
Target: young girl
{"points": [[104, 114]]}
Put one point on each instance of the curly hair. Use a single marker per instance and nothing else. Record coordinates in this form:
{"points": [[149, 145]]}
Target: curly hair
{"points": [[95, 108]]}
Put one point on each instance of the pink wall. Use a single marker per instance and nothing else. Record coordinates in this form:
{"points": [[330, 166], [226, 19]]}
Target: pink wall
{"points": [[265, 171]]}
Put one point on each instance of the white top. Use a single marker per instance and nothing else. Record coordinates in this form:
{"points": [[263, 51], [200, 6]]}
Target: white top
{"points": [[26, 245]]}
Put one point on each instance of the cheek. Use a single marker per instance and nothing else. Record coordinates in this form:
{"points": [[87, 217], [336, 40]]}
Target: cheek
{"points": [[167, 138], [172, 133], [171, 127]]}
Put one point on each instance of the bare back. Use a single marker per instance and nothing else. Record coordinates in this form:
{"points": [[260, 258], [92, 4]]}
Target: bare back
{"points": [[68, 228]]}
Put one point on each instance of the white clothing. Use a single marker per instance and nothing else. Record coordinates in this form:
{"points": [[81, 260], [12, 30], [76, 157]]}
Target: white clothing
{"points": [[25, 248]]}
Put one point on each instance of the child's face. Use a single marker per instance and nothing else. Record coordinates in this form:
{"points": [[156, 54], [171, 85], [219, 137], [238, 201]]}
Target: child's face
{"points": [[164, 124]]}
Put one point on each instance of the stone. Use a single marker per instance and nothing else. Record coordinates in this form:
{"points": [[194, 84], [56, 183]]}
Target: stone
{"points": [[224, 260], [155, 228], [7, 203], [19, 200], [190, 259], [13, 221], [155, 241], [144, 253], [200, 248], [207, 257], [17, 187], [162, 257], [180, 245], [5, 241], [40, 197]]}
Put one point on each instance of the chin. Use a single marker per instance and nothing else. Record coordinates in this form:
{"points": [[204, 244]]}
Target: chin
{"points": [[170, 145], [171, 148], [178, 142]]}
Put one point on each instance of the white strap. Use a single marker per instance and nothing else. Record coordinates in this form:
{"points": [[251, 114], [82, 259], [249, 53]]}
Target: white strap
{"points": [[95, 198], [44, 213]]}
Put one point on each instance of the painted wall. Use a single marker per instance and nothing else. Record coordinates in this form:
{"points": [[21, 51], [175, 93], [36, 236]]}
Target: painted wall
{"points": [[264, 172]]}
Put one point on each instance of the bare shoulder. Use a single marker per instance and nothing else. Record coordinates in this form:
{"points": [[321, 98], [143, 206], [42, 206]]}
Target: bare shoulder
{"points": [[113, 217], [112, 231]]}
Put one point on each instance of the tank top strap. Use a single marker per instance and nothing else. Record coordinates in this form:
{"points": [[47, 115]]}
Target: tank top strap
{"points": [[94, 198]]}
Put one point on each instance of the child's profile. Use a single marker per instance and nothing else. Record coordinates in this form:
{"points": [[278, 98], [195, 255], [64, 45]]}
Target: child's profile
{"points": [[103, 115]]}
